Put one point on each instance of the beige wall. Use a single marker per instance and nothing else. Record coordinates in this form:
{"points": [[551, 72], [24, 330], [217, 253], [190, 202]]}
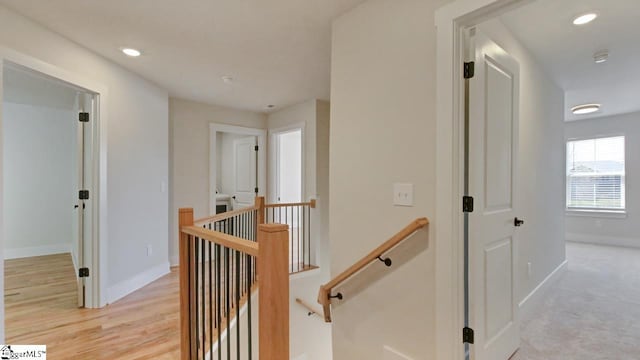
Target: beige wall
{"points": [[189, 160], [541, 239], [383, 131]]}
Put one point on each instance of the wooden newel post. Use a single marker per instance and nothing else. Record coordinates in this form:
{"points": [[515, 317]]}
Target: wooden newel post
{"points": [[260, 206], [185, 218], [273, 270]]}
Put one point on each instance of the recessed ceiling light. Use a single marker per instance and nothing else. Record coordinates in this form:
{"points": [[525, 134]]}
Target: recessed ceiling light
{"points": [[131, 52], [227, 79], [585, 109], [601, 56], [585, 19]]}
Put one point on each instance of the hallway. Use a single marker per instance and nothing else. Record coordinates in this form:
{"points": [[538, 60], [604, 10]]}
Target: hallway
{"points": [[592, 312], [40, 300]]}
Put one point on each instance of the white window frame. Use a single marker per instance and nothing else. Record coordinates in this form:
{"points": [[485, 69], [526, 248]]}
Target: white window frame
{"points": [[592, 211]]}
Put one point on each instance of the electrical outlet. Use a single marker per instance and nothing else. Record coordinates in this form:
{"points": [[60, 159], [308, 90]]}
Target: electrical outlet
{"points": [[149, 250], [529, 272]]}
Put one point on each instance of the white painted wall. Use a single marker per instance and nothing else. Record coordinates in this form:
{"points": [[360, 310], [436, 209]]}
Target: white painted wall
{"points": [[383, 131], [603, 229], [39, 157], [541, 198], [137, 133], [189, 162]]}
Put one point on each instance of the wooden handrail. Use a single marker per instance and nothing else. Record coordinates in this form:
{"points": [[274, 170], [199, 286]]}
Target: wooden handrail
{"points": [[311, 203], [258, 205], [225, 215], [232, 242], [307, 306], [325, 290]]}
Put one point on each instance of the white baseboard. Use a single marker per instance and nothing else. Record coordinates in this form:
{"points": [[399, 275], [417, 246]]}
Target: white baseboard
{"points": [[124, 288], [535, 297], [174, 260], [603, 240], [37, 251]]}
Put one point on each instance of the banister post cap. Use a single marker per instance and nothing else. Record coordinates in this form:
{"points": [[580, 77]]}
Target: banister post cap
{"points": [[272, 228]]}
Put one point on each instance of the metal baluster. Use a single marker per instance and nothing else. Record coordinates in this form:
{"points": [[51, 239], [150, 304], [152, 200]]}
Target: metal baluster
{"points": [[304, 228], [291, 236], [309, 232], [237, 304], [210, 302], [249, 280], [300, 249], [204, 304], [227, 302], [195, 259], [218, 300]]}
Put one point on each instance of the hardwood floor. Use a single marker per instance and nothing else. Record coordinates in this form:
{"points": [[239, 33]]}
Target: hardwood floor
{"points": [[41, 308]]}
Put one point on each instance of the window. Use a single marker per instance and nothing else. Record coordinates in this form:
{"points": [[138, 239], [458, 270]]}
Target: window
{"points": [[596, 174]]}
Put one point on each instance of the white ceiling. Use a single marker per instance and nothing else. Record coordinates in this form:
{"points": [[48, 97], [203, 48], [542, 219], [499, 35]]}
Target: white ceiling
{"points": [[566, 51], [277, 51]]}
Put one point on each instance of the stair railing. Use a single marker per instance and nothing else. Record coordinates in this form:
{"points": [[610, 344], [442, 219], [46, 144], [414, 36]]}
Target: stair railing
{"points": [[325, 294], [222, 260], [298, 216]]}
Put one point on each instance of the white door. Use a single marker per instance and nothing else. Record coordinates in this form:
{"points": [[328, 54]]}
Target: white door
{"points": [[245, 179], [77, 250], [493, 145], [83, 209]]}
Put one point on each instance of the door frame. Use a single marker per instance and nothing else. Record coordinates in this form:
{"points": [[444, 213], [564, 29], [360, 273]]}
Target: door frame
{"points": [[273, 159], [451, 21], [261, 134], [96, 284]]}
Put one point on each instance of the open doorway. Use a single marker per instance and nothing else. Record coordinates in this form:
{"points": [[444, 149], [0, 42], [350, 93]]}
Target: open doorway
{"points": [[288, 165], [47, 205], [540, 149], [237, 167]]}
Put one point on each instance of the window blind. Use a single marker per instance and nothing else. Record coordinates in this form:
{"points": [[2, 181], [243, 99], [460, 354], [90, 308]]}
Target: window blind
{"points": [[596, 174]]}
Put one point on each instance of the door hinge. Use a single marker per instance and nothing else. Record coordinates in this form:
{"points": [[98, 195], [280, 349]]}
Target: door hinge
{"points": [[83, 272], [83, 195], [83, 117], [257, 147], [467, 335], [256, 190], [467, 204], [469, 69]]}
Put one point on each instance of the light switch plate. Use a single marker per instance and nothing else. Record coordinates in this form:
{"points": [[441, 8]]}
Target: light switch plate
{"points": [[402, 194]]}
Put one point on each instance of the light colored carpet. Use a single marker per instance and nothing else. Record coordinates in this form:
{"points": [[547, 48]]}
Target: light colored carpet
{"points": [[592, 312]]}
